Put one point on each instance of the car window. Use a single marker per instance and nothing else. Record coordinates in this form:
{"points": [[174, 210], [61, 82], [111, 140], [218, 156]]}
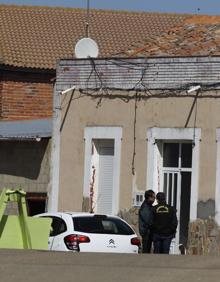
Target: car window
{"points": [[101, 225], [58, 226]]}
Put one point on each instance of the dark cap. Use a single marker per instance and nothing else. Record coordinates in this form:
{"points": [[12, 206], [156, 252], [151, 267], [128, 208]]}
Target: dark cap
{"points": [[161, 197]]}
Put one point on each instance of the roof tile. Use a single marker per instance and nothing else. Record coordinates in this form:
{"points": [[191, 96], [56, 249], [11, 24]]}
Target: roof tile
{"points": [[195, 36], [35, 37]]}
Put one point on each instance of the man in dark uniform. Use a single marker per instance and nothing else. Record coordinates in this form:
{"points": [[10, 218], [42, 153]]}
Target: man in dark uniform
{"points": [[145, 220], [164, 224]]}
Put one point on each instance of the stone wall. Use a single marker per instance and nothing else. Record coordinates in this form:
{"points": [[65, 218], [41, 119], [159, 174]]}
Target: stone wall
{"points": [[204, 237], [131, 217]]}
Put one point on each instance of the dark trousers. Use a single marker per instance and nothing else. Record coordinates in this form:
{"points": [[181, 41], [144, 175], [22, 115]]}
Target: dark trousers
{"points": [[146, 243], [162, 244]]}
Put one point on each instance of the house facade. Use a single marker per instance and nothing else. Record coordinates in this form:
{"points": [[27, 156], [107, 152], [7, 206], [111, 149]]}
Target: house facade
{"points": [[30, 45], [138, 124]]}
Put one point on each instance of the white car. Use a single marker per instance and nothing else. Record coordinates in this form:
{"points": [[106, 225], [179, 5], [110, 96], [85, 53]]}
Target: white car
{"points": [[85, 232]]}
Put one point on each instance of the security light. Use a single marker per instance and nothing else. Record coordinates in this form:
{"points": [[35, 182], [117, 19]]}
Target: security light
{"points": [[67, 90], [193, 88]]}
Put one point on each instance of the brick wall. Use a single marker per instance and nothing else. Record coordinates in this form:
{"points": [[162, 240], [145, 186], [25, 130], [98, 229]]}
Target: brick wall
{"points": [[25, 95], [0, 95]]}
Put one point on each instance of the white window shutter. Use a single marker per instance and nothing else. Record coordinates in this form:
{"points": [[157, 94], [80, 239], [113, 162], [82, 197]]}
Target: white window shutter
{"points": [[105, 187]]}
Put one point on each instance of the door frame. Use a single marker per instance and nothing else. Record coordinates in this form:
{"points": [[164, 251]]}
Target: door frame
{"points": [[217, 188], [155, 134], [178, 171], [103, 132]]}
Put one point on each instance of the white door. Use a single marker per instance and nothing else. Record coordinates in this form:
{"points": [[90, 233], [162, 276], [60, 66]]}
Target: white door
{"points": [[176, 184], [105, 187], [103, 201]]}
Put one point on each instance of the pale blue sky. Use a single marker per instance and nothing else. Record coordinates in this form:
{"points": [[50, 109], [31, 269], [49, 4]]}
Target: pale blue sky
{"points": [[211, 7]]}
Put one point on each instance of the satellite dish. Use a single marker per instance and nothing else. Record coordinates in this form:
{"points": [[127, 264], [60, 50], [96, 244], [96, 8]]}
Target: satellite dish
{"points": [[86, 47]]}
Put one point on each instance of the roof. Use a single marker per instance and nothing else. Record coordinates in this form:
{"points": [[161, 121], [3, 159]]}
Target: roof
{"points": [[195, 36], [158, 73], [35, 37], [26, 129]]}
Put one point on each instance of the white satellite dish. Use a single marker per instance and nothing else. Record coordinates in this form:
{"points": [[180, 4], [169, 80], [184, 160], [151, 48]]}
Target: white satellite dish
{"points": [[85, 48]]}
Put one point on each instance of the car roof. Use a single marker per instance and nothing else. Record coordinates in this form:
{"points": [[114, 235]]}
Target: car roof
{"points": [[78, 214]]}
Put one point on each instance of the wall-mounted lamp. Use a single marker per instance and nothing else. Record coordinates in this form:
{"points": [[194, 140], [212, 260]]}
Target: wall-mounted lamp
{"points": [[193, 88], [67, 90]]}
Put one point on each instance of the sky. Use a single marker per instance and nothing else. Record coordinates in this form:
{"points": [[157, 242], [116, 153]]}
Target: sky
{"points": [[211, 7]]}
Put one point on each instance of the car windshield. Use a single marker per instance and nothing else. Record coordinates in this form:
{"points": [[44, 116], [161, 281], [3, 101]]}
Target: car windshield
{"points": [[101, 225]]}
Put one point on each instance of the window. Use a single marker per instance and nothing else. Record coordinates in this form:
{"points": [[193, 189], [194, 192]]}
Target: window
{"points": [[170, 154], [36, 203], [101, 225], [58, 226], [138, 198], [186, 155]]}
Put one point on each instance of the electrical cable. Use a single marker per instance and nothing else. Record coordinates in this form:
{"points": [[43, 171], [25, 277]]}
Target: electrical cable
{"points": [[134, 134], [195, 118]]}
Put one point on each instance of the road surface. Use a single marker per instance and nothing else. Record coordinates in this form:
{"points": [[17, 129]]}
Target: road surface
{"points": [[41, 266]]}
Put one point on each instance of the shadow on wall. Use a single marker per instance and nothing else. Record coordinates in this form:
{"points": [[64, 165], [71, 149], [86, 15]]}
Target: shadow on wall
{"points": [[22, 158], [206, 209]]}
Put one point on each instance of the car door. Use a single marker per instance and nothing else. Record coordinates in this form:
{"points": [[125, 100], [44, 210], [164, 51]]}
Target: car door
{"points": [[61, 226], [58, 229]]}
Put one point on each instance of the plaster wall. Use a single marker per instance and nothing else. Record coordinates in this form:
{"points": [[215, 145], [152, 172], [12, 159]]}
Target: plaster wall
{"points": [[154, 112], [25, 165]]}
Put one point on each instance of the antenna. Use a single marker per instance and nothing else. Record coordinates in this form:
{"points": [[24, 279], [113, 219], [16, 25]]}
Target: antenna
{"points": [[87, 19], [86, 47]]}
